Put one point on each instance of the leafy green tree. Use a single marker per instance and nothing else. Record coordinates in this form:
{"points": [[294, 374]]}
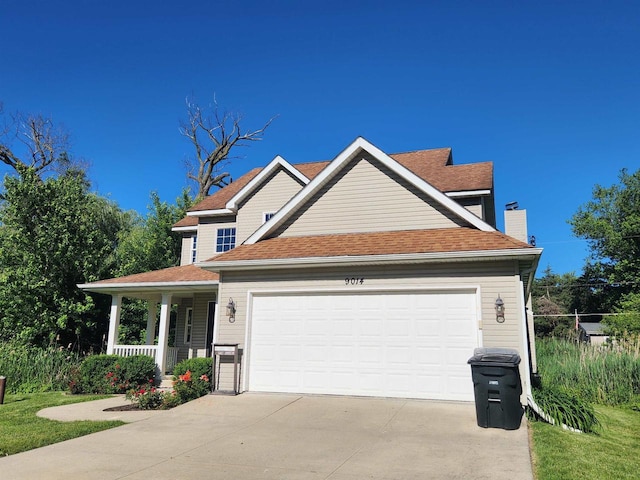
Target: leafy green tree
{"points": [[610, 222], [627, 322], [148, 245], [555, 294], [54, 234]]}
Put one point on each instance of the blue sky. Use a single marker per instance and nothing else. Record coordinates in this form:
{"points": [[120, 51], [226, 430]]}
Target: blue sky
{"points": [[548, 91]]}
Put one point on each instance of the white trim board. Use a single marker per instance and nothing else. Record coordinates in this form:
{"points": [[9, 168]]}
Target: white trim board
{"points": [[358, 146]]}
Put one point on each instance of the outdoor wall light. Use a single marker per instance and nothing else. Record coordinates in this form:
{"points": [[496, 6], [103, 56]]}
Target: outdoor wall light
{"points": [[231, 310], [499, 310]]}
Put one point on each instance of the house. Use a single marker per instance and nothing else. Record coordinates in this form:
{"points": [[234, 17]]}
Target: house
{"points": [[370, 274], [593, 333]]}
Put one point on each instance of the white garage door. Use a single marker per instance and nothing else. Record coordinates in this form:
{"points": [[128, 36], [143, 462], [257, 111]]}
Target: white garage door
{"points": [[412, 345]]}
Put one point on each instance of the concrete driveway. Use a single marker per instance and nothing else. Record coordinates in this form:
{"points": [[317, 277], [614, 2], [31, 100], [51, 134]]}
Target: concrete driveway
{"points": [[261, 436]]}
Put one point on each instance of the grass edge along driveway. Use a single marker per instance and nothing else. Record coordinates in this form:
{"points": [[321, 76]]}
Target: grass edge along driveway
{"points": [[22, 430], [612, 453]]}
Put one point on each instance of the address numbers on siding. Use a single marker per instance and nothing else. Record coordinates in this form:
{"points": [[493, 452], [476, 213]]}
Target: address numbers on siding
{"points": [[354, 281]]}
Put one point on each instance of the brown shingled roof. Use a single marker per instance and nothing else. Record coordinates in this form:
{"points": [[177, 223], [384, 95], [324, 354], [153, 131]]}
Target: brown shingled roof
{"points": [[433, 165], [185, 273], [219, 199], [378, 243]]}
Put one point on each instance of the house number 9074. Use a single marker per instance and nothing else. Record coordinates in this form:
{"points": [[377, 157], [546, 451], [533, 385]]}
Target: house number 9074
{"points": [[354, 281]]}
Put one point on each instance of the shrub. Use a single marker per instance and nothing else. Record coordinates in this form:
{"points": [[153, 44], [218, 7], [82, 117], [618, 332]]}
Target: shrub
{"points": [[153, 399], [138, 369], [115, 374], [94, 373], [147, 399], [197, 366], [192, 378], [567, 409]]}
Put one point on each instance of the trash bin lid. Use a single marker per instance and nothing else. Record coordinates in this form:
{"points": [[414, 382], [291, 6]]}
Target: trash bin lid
{"points": [[500, 357]]}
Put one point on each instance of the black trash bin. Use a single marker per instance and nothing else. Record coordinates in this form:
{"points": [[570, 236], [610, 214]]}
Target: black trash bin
{"points": [[497, 387]]}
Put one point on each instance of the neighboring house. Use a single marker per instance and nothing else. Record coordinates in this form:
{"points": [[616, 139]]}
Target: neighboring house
{"points": [[593, 332], [371, 274]]}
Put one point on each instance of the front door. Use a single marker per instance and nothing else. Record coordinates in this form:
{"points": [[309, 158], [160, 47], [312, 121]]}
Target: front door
{"points": [[211, 310]]}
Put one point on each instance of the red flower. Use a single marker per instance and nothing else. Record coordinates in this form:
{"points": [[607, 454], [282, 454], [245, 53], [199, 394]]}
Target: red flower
{"points": [[186, 377], [204, 378]]}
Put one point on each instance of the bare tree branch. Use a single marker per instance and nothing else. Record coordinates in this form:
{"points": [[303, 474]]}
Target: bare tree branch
{"points": [[213, 136], [45, 143]]}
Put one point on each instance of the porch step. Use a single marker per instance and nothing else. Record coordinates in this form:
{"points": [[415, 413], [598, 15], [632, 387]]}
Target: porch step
{"points": [[166, 383]]}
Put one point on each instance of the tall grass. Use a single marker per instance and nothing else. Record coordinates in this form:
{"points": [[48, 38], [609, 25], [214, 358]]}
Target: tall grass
{"points": [[608, 375], [32, 369]]}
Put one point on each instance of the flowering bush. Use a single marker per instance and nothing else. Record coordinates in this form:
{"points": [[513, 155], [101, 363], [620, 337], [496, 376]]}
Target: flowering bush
{"points": [[188, 388], [153, 399], [116, 380], [150, 399]]}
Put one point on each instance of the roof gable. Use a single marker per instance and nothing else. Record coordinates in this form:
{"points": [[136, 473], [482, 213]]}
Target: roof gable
{"points": [[358, 147], [275, 164]]}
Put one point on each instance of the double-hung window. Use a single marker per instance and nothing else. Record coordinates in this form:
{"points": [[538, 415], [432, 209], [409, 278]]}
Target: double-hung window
{"points": [[194, 245], [226, 239]]}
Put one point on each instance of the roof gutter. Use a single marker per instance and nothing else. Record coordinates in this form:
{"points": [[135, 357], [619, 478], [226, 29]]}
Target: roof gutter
{"points": [[392, 259], [98, 287]]}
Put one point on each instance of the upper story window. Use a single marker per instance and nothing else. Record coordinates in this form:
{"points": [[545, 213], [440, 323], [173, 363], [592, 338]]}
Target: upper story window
{"points": [[267, 216], [194, 245], [226, 239]]}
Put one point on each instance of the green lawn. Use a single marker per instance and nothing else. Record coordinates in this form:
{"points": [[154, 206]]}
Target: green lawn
{"points": [[613, 453], [21, 429]]}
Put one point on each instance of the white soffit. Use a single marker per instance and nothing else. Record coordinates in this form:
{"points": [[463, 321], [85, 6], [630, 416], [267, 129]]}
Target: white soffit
{"points": [[343, 159], [277, 162], [468, 193]]}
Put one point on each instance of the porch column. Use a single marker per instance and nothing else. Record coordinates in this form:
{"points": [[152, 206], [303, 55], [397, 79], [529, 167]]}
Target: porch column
{"points": [[152, 309], [114, 322], [163, 335]]}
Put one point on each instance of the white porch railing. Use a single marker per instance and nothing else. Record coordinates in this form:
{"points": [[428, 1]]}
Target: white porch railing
{"points": [[151, 350]]}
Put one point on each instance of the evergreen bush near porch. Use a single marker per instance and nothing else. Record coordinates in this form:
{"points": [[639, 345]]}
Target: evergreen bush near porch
{"points": [[115, 374]]}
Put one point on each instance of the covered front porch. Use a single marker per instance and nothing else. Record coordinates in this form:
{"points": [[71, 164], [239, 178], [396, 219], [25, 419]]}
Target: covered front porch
{"points": [[194, 292]]}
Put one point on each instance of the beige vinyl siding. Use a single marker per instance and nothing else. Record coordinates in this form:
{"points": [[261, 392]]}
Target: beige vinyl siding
{"points": [[345, 205], [183, 351], [493, 279], [473, 204], [270, 197], [200, 305], [515, 224], [185, 253], [199, 332], [207, 232]]}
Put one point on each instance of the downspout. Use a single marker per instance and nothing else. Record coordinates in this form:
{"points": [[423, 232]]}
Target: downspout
{"points": [[530, 400]]}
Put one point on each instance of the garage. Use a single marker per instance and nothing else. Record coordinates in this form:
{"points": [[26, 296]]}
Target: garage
{"points": [[407, 344]]}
